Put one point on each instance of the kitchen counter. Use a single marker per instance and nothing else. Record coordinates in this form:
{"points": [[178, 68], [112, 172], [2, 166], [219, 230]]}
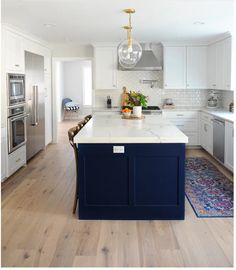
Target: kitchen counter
{"points": [[114, 129], [130, 169], [105, 109], [221, 113]]}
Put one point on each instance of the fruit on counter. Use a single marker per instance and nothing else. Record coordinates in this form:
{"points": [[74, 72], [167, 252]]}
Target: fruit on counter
{"points": [[126, 110]]}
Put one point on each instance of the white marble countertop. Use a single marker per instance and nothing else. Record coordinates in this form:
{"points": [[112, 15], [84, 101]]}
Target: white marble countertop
{"points": [[221, 113], [105, 109], [114, 129]]}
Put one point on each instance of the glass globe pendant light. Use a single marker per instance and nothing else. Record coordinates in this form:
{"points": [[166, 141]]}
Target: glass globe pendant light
{"points": [[129, 51]]}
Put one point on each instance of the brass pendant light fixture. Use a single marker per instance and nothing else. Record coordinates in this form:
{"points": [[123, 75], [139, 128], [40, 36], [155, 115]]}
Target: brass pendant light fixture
{"points": [[129, 51]]}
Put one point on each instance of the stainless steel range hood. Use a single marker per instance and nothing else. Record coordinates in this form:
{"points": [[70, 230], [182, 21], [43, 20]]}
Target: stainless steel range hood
{"points": [[147, 62]]}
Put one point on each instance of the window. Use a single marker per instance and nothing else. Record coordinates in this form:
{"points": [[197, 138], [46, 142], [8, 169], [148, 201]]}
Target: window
{"points": [[87, 86]]}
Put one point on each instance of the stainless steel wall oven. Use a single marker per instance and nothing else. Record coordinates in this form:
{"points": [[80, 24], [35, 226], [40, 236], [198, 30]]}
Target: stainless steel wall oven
{"points": [[16, 127]]}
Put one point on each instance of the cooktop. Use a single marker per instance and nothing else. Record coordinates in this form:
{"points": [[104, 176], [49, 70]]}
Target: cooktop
{"points": [[154, 108]]}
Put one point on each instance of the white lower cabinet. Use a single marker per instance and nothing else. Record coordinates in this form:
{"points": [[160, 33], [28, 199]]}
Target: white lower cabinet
{"points": [[206, 132], [187, 122], [16, 160], [3, 154], [229, 145]]}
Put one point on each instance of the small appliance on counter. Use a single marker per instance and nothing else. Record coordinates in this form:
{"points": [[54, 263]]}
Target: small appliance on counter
{"points": [[108, 102], [212, 102], [231, 107], [168, 104]]}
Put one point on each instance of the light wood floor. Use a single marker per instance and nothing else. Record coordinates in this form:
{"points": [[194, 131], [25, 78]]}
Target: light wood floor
{"points": [[38, 228]]}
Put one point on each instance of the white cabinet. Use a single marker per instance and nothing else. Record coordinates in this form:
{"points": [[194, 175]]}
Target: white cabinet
{"points": [[48, 108], [211, 66], [105, 67], [229, 145], [14, 53], [227, 64], [174, 67], [185, 67], [47, 64], [206, 132], [197, 67], [219, 65], [3, 154], [187, 122], [16, 160]]}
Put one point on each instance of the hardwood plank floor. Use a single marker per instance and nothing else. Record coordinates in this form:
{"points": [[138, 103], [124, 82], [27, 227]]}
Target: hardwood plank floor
{"points": [[39, 229]]}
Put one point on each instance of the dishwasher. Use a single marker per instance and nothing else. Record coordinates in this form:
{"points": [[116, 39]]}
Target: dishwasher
{"points": [[219, 139]]}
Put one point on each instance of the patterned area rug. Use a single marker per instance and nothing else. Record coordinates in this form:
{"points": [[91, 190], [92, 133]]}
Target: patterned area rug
{"points": [[209, 192]]}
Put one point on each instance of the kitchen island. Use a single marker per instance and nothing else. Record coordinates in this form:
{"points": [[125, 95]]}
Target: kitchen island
{"points": [[130, 169]]}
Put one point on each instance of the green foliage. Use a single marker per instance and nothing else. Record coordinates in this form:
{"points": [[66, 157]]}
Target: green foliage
{"points": [[136, 99]]}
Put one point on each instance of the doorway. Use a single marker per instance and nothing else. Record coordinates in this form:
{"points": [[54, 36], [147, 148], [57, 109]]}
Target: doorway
{"points": [[72, 79]]}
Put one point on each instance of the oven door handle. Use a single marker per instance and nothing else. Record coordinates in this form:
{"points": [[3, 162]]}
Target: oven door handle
{"points": [[18, 117]]}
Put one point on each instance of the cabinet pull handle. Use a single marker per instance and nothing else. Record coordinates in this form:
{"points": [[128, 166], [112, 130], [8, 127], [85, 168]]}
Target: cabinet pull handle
{"points": [[18, 159], [180, 125], [214, 84], [205, 127], [179, 115], [16, 65]]}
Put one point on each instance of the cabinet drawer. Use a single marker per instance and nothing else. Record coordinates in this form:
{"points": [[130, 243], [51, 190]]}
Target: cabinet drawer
{"points": [[181, 114], [16, 160], [186, 124], [206, 116]]}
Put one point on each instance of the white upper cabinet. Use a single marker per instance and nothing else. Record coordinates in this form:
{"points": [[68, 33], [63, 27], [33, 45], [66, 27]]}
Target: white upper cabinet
{"points": [[14, 53], [197, 67], [227, 64], [185, 67], [211, 66], [174, 67], [47, 64], [229, 145], [219, 65], [105, 67]]}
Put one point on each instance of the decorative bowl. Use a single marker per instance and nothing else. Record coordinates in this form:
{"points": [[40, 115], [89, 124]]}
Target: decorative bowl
{"points": [[126, 114]]}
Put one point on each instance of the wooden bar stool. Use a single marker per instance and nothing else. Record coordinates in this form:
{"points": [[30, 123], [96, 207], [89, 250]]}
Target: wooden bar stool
{"points": [[71, 134]]}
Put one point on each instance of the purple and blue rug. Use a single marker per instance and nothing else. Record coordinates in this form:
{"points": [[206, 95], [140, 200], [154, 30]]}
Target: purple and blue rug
{"points": [[209, 191]]}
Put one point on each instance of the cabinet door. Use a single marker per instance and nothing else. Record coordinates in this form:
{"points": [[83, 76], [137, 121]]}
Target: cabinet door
{"points": [[47, 64], [220, 55], [207, 136], [14, 53], [106, 68], [3, 154], [229, 145], [211, 66], [227, 64], [48, 108], [174, 67], [197, 67]]}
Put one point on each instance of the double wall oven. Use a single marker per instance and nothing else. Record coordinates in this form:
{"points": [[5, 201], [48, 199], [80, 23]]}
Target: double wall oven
{"points": [[16, 112]]}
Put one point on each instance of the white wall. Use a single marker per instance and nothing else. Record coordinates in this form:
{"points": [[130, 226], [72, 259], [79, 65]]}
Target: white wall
{"points": [[59, 85], [72, 50]]}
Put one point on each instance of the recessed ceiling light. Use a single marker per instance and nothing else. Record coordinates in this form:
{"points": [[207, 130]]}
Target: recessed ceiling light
{"points": [[198, 23], [48, 25]]}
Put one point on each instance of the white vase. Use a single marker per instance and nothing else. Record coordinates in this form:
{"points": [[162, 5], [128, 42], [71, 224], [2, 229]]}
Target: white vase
{"points": [[137, 111]]}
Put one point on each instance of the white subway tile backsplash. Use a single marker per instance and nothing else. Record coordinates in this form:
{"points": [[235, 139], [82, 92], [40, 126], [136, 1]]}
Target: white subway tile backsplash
{"points": [[156, 95]]}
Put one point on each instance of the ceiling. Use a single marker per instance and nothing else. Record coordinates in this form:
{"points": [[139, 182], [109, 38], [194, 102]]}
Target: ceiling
{"points": [[87, 21]]}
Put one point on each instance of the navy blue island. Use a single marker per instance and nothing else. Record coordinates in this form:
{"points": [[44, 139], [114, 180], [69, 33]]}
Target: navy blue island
{"points": [[130, 169]]}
